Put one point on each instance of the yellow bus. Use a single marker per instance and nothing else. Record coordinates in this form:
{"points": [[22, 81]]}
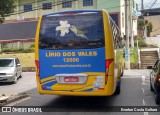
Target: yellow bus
{"points": [[75, 54]]}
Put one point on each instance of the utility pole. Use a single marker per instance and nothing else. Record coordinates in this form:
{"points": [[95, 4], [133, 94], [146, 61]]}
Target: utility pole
{"points": [[131, 24], [145, 28], [142, 8], [127, 54]]}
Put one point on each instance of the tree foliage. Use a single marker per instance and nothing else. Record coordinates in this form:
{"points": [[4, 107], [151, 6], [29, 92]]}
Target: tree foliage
{"points": [[149, 28], [6, 8], [141, 27]]}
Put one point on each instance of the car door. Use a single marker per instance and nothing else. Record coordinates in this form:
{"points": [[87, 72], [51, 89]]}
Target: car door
{"points": [[155, 73]]}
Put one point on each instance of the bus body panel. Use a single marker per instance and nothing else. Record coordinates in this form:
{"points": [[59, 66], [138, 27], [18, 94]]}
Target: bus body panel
{"points": [[46, 75]]}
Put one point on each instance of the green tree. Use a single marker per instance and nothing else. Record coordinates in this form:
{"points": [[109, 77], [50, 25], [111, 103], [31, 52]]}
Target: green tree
{"points": [[149, 28], [6, 8], [141, 25]]}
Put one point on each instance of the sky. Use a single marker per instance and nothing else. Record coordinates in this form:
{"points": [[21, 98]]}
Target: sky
{"points": [[147, 4]]}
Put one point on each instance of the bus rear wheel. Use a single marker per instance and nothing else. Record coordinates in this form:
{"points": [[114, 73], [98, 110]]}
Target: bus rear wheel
{"points": [[118, 89]]}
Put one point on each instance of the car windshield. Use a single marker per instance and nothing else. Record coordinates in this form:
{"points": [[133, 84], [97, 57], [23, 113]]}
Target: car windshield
{"points": [[72, 32], [6, 63]]}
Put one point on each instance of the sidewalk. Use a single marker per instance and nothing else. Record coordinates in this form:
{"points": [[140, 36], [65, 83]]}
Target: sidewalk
{"points": [[137, 72]]}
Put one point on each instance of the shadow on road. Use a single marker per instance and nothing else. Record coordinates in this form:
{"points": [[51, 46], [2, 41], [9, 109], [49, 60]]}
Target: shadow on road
{"points": [[5, 83], [70, 103], [8, 83]]}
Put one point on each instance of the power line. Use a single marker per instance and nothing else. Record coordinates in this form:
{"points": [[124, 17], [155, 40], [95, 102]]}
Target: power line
{"points": [[148, 4], [153, 4], [59, 3], [30, 3], [40, 7]]}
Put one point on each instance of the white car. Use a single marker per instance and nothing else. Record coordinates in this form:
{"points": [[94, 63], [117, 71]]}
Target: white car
{"points": [[10, 70]]}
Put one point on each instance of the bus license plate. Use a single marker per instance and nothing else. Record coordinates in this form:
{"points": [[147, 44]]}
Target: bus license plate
{"points": [[71, 79]]}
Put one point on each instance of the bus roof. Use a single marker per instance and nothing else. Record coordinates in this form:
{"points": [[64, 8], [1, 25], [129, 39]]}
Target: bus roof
{"points": [[72, 11]]}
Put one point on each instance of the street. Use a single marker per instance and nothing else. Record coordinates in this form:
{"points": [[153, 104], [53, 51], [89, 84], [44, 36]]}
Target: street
{"points": [[135, 91], [27, 82]]}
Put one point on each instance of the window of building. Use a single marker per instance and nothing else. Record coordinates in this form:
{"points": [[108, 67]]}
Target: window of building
{"points": [[87, 2], [27, 7], [133, 4], [137, 7], [67, 4], [47, 6]]}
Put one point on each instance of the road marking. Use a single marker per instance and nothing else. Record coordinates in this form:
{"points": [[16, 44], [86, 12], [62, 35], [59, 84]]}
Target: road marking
{"points": [[143, 83], [19, 101], [144, 102], [143, 80], [146, 113], [143, 90]]}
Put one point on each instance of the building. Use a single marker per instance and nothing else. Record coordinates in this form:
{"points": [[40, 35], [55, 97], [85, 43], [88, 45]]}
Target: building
{"points": [[17, 35], [32, 9], [116, 9], [153, 16]]}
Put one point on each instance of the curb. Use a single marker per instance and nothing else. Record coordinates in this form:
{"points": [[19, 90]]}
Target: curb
{"points": [[10, 99]]}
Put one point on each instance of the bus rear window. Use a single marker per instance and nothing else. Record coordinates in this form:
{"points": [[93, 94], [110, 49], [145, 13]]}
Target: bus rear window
{"points": [[76, 31]]}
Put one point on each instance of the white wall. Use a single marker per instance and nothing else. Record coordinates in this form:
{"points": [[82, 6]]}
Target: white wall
{"points": [[153, 41], [134, 27]]}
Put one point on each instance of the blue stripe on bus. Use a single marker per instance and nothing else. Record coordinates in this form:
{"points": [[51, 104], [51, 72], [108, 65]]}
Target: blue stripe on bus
{"points": [[48, 80], [88, 90], [50, 83], [72, 11]]}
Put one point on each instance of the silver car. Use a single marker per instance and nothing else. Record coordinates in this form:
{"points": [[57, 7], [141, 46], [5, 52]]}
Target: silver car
{"points": [[10, 70]]}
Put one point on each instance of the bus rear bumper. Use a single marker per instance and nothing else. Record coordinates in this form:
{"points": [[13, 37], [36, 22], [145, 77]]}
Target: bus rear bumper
{"points": [[70, 93]]}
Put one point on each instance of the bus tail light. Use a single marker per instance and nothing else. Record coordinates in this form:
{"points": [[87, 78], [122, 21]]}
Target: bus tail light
{"points": [[108, 62], [37, 66]]}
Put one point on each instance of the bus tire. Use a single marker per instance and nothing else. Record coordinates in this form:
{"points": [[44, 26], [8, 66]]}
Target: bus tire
{"points": [[118, 89]]}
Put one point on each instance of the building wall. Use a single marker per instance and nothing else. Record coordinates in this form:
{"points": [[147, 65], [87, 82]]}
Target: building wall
{"points": [[155, 22], [112, 6], [134, 24], [16, 45], [56, 6], [109, 5]]}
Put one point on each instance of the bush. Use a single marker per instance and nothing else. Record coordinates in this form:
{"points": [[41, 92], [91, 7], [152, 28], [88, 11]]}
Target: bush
{"points": [[7, 50], [142, 43], [30, 50], [32, 46]]}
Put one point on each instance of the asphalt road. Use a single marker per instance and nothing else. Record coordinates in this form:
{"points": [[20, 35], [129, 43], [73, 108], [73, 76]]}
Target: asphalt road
{"points": [[27, 82], [134, 92]]}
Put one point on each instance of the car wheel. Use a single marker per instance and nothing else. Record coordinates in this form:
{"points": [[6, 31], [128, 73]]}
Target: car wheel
{"points": [[151, 88], [157, 99], [15, 80], [20, 76]]}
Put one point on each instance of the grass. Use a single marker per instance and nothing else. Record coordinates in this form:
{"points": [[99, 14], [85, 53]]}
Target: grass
{"points": [[119, 56], [26, 59], [133, 55]]}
